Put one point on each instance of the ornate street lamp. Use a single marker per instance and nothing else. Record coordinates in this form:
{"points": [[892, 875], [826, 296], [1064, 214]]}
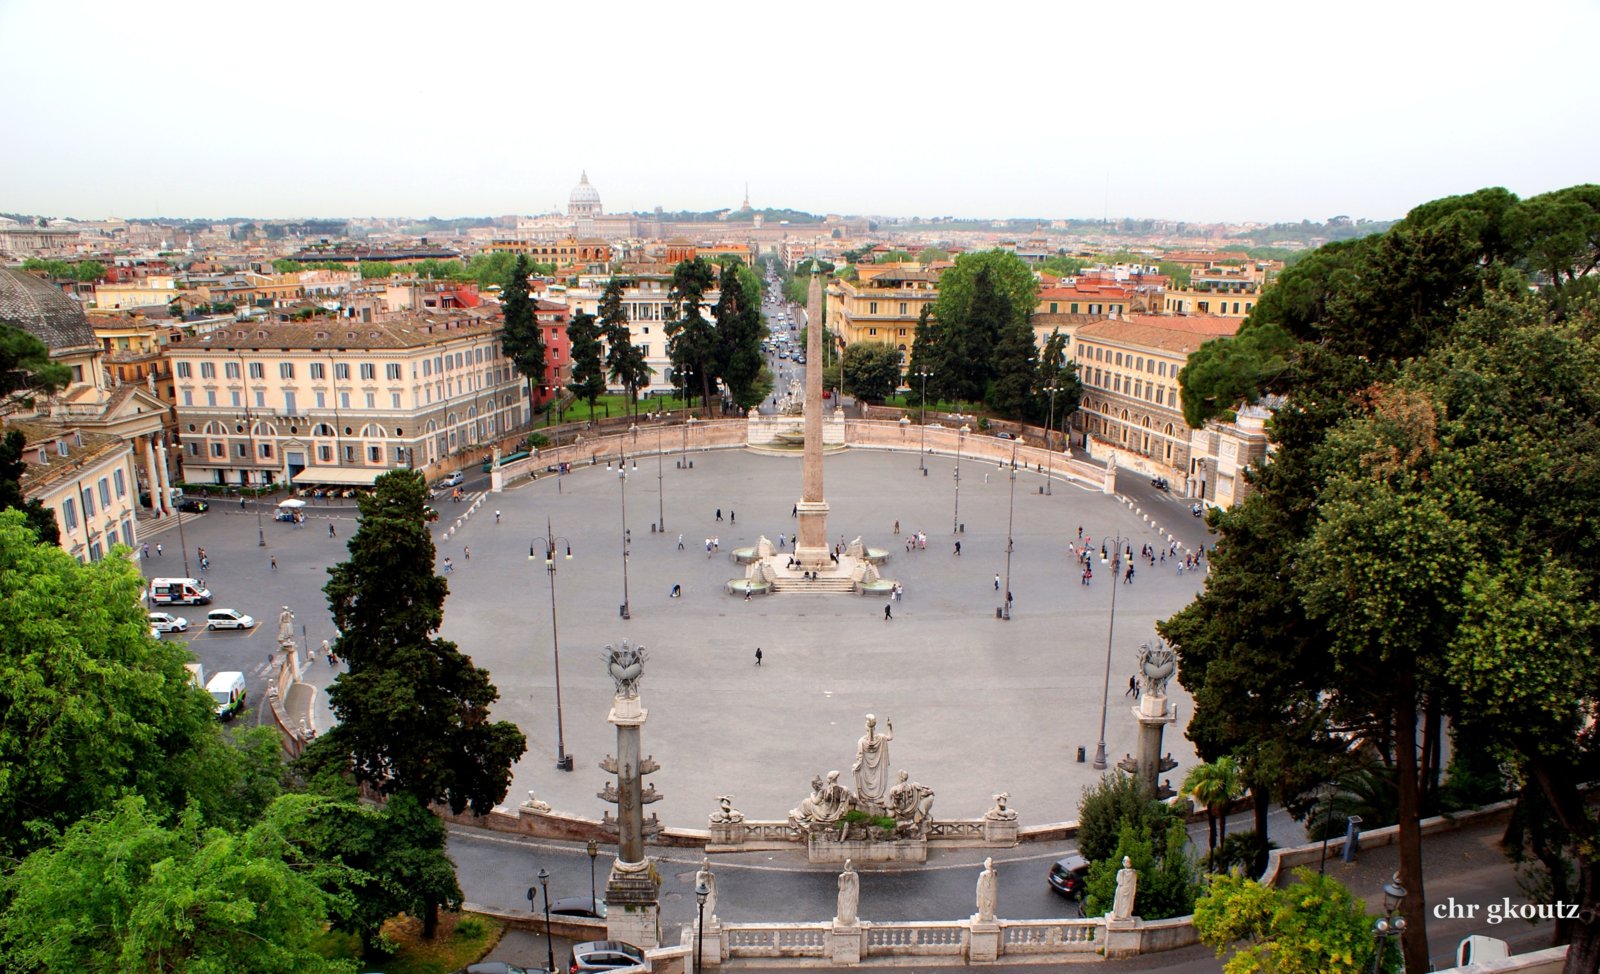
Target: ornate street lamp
{"points": [[1105, 691], [549, 949], [593, 850], [701, 891], [1388, 926], [1011, 510], [922, 458], [563, 759], [1049, 425]]}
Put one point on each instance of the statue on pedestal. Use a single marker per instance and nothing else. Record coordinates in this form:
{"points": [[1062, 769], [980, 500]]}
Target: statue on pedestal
{"points": [[1000, 813], [872, 762], [1156, 665], [988, 891], [827, 804], [1127, 889], [705, 875], [849, 896], [726, 814], [911, 805], [626, 666]]}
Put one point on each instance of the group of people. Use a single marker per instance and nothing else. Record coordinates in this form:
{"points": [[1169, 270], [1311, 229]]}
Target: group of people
{"points": [[915, 541], [712, 544]]}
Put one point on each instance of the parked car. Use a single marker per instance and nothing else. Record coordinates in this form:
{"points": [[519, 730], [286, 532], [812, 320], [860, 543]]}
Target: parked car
{"points": [[228, 619], [579, 906], [496, 967], [1003, 435], [192, 506], [604, 955], [1069, 876], [454, 480], [166, 622], [228, 693]]}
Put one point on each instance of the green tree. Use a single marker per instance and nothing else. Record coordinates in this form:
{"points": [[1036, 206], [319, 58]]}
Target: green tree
{"points": [[121, 891], [1008, 276], [931, 255], [1213, 785], [89, 271], [94, 708], [738, 335], [1117, 800], [1058, 371], [1167, 883], [1063, 266], [968, 337], [1016, 367], [1312, 927], [496, 269], [691, 337], [625, 361], [926, 355], [25, 367], [40, 519], [892, 257], [871, 370], [588, 367], [521, 337], [413, 711]]}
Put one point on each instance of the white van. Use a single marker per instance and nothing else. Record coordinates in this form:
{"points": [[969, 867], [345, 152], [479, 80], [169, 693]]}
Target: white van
{"points": [[178, 591], [228, 692]]}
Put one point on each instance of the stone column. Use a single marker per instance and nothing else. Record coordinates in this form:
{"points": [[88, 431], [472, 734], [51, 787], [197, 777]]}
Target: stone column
{"points": [[633, 888], [1153, 715], [811, 541], [152, 479], [166, 479]]}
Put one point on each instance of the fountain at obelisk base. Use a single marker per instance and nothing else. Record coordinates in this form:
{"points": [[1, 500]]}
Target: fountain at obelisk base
{"points": [[815, 565]]}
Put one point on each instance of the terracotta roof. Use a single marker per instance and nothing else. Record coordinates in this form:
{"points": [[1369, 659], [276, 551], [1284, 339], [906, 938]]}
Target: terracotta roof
{"points": [[1181, 334], [38, 307], [83, 448], [1085, 290], [398, 331]]}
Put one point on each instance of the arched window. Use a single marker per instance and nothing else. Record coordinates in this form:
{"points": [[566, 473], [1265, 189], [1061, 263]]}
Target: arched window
{"points": [[372, 431], [215, 428], [322, 429], [264, 428]]}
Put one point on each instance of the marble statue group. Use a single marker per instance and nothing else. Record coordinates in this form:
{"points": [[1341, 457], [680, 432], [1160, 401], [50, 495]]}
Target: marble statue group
{"points": [[907, 803]]}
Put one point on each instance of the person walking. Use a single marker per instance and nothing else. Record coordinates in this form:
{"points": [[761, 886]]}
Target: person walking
{"points": [[680, 542], [958, 547], [732, 517], [497, 517], [241, 502], [466, 552], [719, 514], [997, 581], [1133, 687], [159, 550], [331, 533], [897, 529], [274, 562], [758, 655], [449, 566], [888, 611], [327, 650], [795, 511], [144, 550]]}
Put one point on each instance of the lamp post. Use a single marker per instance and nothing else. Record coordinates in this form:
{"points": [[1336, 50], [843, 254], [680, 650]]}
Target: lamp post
{"points": [[955, 518], [1011, 509], [1105, 691], [1388, 926], [261, 534], [661, 489], [549, 949], [563, 759], [622, 478], [922, 456], [183, 543], [1049, 425], [701, 891], [593, 850]]}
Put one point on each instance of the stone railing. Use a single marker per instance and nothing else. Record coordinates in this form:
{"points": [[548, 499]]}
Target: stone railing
{"points": [[775, 940], [970, 941], [669, 440], [749, 836]]}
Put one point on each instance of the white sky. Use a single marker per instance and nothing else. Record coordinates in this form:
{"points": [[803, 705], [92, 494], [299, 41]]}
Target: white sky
{"points": [[1184, 110]]}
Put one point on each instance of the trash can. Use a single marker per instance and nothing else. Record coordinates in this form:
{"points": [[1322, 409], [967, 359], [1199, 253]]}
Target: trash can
{"points": [[1352, 838], [997, 612], [1081, 756], [924, 471], [1041, 488]]}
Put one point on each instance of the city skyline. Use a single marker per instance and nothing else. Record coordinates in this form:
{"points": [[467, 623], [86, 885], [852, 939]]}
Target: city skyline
{"points": [[200, 111]]}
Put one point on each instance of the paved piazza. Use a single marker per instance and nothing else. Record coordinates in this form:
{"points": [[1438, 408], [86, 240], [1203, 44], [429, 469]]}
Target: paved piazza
{"points": [[978, 705]]}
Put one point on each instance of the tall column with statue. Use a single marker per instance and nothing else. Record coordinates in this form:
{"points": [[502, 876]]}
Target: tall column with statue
{"points": [[1157, 663], [633, 889], [811, 543]]}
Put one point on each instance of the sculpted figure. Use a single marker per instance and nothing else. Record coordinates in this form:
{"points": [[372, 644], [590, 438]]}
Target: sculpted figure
{"points": [[1127, 889], [827, 804], [705, 875], [872, 761], [988, 891], [1000, 813], [910, 803], [725, 812], [849, 896]]}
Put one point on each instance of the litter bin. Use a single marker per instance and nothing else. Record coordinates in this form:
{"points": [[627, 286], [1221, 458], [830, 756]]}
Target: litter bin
{"points": [[1081, 757], [1352, 838], [997, 612]]}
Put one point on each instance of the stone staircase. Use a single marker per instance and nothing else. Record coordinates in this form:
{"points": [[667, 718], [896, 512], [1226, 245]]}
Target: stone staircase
{"points": [[826, 585]]}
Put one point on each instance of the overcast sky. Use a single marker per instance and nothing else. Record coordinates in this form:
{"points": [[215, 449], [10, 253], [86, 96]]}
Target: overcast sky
{"points": [[1184, 110]]}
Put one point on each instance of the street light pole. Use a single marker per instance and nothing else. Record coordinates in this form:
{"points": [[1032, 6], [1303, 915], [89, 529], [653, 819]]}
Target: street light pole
{"points": [[701, 892], [549, 949], [955, 519], [261, 534], [183, 543], [622, 477], [922, 455], [1011, 511], [594, 850], [1049, 426], [563, 760], [661, 490], [1105, 691]]}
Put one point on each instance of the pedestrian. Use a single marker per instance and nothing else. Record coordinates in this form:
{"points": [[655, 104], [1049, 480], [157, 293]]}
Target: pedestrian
{"points": [[716, 544], [1128, 578], [958, 547], [1132, 687], [747, 593], [200, 554], [241, 502], [144, 550], [732, 517], [274, 562], [680, 542], [497, 517], [795, 511], [332, 659], [781, 540], [758, 655], [677, 592], [466, 552], [888, 611], [897, 529], [997, 581], [331, 533], [449, 566], [159, 550], [719, 514]]}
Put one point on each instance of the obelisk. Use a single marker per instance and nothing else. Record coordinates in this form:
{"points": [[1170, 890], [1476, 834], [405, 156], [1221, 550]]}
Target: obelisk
{"points": [[811, 541]]}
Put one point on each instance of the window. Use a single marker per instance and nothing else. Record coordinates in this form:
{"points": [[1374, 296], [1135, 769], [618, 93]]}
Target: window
{"points": [[427, 366], [266, 451], [344, 400], [341, 371], [105, 491], [317, 371], [1160, 395], [368, 370], [234, 399], [285, 370], [288, 402], [1074, 307], [1119, 358], [261, 399], [244, 451], [349, 453], [69, 514], [258, 370], [218, 449], [1053, 307], [872, 307], [118, 478], [372, 400], [322, 399], [208, 370], [183, 370], [188, 398], [325, 453], [872, 331], [374, 454], [230, 370], [111, 535], [95, 553], [394, 400], [392, 370], [211, 397]]}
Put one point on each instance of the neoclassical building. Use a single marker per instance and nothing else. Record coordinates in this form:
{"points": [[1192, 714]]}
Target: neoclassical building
{"points": [[339, 401]]}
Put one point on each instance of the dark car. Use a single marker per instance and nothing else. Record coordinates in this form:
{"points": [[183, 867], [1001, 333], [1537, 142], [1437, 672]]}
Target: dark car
{"points": [[193, 506], [578, 906], [1159, 483], [497, 967], [1068, 876], [604, 955]]}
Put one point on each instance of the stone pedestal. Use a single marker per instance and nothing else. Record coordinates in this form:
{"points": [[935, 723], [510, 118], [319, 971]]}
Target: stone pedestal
{"points": [[826, 847], [1122, 937], [633, 913], [1001, 832], [844, 942], [811, 547], [711, 944], [984, 945], [1153, 715]]}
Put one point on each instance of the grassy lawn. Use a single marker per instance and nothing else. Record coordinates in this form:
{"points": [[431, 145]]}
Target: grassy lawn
{"points": [[462, 939], [613, 405], [909, 401]]}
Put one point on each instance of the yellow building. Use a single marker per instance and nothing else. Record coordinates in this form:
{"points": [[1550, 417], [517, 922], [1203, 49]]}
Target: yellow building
{"points": [[1131, 404], [340, 401], [882, 306], [87, 480], [153, 290]]}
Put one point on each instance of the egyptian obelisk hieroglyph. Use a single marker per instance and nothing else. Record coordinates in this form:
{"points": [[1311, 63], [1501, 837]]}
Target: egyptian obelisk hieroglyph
{"points": [[811, 543]]}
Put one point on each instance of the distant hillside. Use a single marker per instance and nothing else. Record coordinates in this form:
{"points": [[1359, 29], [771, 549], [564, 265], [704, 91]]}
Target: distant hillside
{"points": [[768, 215], [1308, 234]]}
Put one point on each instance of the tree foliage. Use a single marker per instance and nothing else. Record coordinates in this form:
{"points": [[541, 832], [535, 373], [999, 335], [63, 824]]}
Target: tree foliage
{"points": [[25, 367], [413, 711], [588, 366], [1167, 883], [871, 370], [1117, 800], [1016, 370], [691, 337], [39, 518], [520, 337], [625, 362], [739, 332], [1312, 927]]}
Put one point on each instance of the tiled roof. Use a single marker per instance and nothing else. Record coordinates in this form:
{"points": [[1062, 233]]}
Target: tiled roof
{"points": [[83, 448], [39, 308], [399, 331], [1180, 334]]}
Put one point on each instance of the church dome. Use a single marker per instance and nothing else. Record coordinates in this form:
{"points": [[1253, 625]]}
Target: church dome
{"points": [[40, 308], [585, 199]]}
